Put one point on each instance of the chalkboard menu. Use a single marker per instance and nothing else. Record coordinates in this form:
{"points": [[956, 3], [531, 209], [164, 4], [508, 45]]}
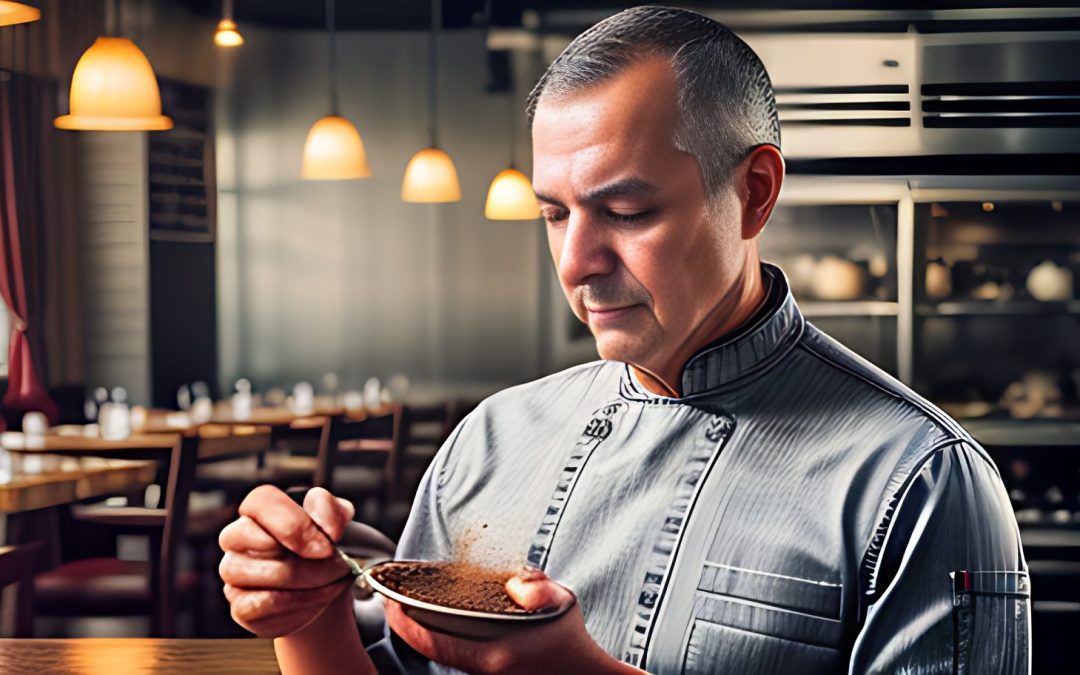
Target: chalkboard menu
{"points": [[181, 171]]}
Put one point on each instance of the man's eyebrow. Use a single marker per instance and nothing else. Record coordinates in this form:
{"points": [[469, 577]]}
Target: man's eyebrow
{"points": [[548, 199], [625, 186], [619, 188]]}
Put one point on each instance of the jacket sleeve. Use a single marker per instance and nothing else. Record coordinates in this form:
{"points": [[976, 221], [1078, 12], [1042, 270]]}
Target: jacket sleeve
{"points": [[945, 586]]}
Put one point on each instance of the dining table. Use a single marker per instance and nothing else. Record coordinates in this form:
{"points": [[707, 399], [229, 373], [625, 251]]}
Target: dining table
{"points": [[175, 455], [39, 481], [213, 442], [32, 487], [141, 656], [275, 416]]}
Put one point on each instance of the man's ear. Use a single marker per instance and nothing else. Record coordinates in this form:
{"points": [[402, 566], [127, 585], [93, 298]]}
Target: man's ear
{"points": [[764, 173]]}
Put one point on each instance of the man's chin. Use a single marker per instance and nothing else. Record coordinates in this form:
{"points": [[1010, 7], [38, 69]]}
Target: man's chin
{"points": [[619, 348]]}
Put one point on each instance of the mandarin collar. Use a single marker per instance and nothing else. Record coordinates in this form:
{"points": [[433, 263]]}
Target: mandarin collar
{"points": [[759, 342]]}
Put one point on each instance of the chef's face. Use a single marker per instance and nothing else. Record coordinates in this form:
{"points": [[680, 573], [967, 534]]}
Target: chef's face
{"points": [[641, 256]]}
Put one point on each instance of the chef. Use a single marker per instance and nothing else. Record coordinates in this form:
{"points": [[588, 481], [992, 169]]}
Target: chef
{"points": [[729, 489]]}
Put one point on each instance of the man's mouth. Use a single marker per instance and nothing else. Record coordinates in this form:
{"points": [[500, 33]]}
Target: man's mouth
{"points": [[606, 315]]}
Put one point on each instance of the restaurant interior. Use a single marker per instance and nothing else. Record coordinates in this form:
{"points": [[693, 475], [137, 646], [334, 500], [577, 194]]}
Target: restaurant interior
{"points": [[260, 241]]}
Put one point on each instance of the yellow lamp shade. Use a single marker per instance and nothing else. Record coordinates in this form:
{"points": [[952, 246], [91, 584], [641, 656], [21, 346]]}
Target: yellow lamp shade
{"points": [[431, 177], [12, 13], [334, 151], [511, 197], [227, 35], [113, 88]]}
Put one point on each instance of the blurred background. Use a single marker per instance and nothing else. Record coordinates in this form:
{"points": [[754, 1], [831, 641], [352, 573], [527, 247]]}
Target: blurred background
{"points": [[252, 274]]}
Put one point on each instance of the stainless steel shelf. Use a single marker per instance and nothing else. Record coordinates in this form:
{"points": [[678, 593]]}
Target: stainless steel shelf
{"points": [[992, 308], [1024, 432], [848, 308]]}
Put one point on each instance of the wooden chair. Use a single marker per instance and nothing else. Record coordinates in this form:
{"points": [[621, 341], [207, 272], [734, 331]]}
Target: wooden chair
{"points": [[358, 458], [109, 586], [294, 459], [425, 430], [458, 409], [17, 566]]}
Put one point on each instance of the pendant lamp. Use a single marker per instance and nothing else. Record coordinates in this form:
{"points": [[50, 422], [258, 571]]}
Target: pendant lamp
{"points": [[227, 35], [114, 88], [511, 196], [430, 176], [12, 13], [334, 149]]}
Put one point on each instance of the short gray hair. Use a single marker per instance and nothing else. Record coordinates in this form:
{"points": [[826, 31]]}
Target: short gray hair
{"points": [[726, 101]]}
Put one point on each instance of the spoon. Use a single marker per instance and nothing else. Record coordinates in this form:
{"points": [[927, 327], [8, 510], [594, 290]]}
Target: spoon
{"points": [[373, 540]]}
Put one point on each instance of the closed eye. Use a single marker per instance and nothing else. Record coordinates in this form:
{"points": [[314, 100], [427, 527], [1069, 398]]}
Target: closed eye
{"points": [[629, 217]]}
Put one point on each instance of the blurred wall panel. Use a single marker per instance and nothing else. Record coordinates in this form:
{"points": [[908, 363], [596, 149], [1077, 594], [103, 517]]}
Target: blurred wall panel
{"points": [[343, 276], [114, 256]]}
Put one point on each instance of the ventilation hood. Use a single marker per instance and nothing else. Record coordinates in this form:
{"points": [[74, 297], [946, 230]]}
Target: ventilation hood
{"points": [[846, 95]]}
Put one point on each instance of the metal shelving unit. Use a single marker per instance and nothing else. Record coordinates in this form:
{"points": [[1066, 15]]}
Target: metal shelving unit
{"points": [[1023, 432], [994, 308], [816, 308], [908, 309]]}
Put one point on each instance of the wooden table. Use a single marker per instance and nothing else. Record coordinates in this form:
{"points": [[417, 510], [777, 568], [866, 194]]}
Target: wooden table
{"points": [[179, 453], [276, 416], [32, 486], [29, 482], [123, 656], [280, 416], [135, 446], [214, 441]]}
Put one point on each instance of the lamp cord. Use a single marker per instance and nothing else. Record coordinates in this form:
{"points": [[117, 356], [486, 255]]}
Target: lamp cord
{"points": [[333, 56], [513, 128], [510, 96], [433, 87]]}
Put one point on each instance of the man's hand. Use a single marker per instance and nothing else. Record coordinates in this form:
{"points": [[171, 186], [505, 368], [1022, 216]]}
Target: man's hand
{"points": [[280, 571], [560, 645]]}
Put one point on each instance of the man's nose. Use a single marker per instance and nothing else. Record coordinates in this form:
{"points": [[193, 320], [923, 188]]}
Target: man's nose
{"points": [[585, 250]]}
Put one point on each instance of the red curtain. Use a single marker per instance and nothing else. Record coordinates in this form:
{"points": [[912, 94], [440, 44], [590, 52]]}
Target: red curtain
{"points": [[21, 192]]}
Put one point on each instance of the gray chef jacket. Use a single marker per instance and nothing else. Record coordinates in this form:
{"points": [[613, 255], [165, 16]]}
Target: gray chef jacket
{"points": [[797, 510]]}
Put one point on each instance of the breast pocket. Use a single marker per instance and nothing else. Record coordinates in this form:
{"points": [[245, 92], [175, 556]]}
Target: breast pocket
{"points": [[748, 621]]}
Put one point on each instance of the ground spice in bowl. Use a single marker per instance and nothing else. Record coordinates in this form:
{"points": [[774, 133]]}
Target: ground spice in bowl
{"points": [[458, 585]]}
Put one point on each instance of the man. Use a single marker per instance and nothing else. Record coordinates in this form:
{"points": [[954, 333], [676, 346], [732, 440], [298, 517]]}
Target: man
{"points": [[730, 490]]}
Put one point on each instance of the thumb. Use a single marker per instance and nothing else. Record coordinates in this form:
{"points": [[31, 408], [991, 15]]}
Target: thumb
{"points": [[533, 591]]}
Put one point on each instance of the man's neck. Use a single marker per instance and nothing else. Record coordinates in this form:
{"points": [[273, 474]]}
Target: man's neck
{"points": [[734, 309]]}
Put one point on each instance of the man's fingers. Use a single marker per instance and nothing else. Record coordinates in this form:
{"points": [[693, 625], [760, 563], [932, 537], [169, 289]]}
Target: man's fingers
{"points": [[534, 591], [415, 635], [331, 513], [286, 522], [245, 535], [292, 573], [269, 613]]}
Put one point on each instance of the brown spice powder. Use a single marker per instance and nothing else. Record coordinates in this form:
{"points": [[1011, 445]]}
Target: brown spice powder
{"points": [[459, 585]]}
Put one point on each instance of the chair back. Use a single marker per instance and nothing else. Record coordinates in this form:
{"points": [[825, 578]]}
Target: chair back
{"points": [[182, 463], [457, 410], [373, 440]]}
